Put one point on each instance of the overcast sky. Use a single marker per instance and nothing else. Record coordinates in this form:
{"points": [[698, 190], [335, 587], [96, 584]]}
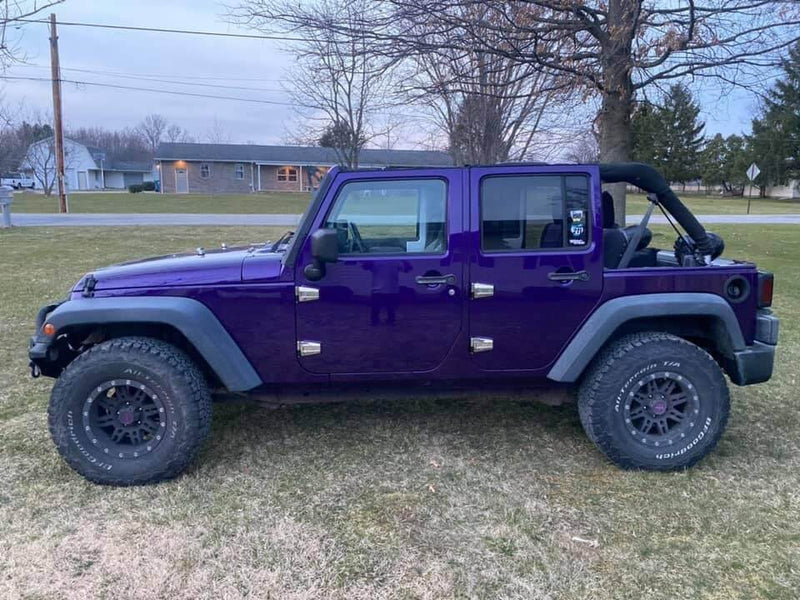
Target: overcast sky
{"points": [[227, 62]]}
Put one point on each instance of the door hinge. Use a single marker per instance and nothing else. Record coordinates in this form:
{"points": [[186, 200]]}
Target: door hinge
{"points": [[306, 294], [482, 290], [481, 344], [306, 348]]}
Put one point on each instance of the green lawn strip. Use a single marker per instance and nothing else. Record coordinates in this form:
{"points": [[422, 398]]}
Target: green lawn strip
{"points": [[392, 499], [151, 202], [719, 205]]}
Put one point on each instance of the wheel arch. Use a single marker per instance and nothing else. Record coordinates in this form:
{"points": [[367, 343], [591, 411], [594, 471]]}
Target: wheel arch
{"points": [[704, 319], [184, 322]]}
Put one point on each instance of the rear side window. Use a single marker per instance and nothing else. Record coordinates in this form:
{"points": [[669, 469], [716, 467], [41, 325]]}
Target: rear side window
{"points": [[391, 217], [534, 212]]}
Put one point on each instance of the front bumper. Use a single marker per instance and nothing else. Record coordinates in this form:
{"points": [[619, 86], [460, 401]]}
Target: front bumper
{"points": [[755, 363], [41, 350]]}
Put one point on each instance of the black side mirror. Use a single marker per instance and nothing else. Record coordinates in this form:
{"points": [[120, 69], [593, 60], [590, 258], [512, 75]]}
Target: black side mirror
{"points": [[325, 245], [324, 249]]}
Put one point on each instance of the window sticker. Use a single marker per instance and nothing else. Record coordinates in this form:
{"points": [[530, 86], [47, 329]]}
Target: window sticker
{"points": [[577, 227]]}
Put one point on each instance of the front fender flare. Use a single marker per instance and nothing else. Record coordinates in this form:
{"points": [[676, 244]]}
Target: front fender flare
{"points": [[192, 318], [599, 327]]}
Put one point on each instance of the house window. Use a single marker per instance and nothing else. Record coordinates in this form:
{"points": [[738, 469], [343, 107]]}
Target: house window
{"points": [[287, 174], [205, 170], [239, 171]]}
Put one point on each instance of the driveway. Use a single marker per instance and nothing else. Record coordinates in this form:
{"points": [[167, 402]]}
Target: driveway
{"points": [[148, 220]]}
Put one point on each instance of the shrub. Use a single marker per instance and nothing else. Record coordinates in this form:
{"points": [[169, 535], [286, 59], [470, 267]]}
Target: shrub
{"points": [[149, 186], [135, 188]]}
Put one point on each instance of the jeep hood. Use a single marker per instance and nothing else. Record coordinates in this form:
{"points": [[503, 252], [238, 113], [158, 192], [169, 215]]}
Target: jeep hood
{"points": [[216, 267]]}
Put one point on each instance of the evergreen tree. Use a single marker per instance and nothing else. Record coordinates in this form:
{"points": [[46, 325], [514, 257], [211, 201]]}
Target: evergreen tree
{"points": [[712, 161], [646, 130], [776, 134], [669, 137], [683, 135]]}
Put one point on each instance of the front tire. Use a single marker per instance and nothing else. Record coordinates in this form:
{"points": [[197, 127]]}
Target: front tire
{"points": [[654, 401], [130, 411]]}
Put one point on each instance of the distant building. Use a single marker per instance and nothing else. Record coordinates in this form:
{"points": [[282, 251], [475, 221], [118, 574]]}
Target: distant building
{"points": [[789, 191], [242, 168], [85, 167]]}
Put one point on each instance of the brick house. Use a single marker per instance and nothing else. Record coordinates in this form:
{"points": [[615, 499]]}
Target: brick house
{"points": [[244, 168]]}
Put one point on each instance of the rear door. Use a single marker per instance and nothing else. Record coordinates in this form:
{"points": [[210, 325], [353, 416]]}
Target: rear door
{"points": [[394, 300], [535, 267]]}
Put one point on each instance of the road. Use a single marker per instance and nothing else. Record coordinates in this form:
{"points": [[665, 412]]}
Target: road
{"points": [[148, 220]]}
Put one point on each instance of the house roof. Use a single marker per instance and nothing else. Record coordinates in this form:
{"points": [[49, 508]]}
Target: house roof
{"points": [[130, 165], [298, 155]]}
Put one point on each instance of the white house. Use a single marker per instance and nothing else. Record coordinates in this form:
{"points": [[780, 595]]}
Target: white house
{"points": [[85, 167], [789, 191]]}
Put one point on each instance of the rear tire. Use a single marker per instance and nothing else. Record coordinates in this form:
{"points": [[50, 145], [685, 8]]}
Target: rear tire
{"points": [[130, 411], [654, 401]]}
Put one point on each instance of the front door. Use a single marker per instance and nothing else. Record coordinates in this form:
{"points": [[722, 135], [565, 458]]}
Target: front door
{"points": [[536, 268], [181, 181], [393, 301]]}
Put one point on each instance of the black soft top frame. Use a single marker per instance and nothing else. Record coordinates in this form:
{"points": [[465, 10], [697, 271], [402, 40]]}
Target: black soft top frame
{"points": [[651, 181]]}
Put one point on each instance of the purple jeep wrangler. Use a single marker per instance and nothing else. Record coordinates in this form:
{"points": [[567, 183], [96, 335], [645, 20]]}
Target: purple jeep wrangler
{"points": [[418, 281]]}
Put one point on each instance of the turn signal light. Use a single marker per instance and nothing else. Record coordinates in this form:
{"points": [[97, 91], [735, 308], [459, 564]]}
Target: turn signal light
{"points": [[766, 284], [49, 329]]}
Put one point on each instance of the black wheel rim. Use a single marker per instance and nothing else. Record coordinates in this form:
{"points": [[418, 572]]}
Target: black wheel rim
{"points": [[124, 418], [662, 409]]}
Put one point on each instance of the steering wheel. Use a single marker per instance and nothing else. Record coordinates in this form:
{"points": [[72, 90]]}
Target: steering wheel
{"points": [[356, 242]]}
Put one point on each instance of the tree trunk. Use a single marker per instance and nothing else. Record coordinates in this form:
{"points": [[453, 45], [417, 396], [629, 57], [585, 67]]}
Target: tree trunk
{"points": [[614, 120]]}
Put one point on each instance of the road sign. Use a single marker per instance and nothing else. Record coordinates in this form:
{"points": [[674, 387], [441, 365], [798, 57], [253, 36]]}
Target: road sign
{"points": [[753, 171]]}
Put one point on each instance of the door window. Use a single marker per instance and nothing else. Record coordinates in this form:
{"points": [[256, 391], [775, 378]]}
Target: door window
{"points": [[390, 217], [534, 212]]}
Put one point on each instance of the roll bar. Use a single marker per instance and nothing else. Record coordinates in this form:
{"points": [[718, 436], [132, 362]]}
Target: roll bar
{"points": [[650, 180]]}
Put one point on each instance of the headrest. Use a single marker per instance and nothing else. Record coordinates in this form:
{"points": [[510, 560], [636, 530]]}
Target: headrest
{"points": [[608, 211]]}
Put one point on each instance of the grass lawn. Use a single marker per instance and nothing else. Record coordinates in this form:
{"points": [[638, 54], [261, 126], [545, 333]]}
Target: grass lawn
{"points": [[716, 205], [424, 499], [123, 202], [295, 203]]}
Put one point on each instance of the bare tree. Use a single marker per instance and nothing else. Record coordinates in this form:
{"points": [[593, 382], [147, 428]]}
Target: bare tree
{"points": [[175, 134], [490, 107], [152, 129], [583, 147], [40, 159], [12, 14], [218, 133], [339, 79], [614, 48]]}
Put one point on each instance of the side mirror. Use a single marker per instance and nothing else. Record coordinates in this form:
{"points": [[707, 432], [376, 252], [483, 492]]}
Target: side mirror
{"points": [[325, 245], [324, 249]]}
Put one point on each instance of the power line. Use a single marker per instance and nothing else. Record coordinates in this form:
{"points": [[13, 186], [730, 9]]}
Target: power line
{"points": [[155, 79], [249, 36], [154, 90], [128, 73]]}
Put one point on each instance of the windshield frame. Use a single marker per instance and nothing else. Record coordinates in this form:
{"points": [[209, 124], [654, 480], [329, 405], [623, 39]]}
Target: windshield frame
{"points": [[301, 231]]}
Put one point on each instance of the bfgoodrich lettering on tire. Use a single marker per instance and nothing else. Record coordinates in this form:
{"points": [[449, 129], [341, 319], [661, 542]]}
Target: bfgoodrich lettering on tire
{"points": [[130, 411], [654, 401]]}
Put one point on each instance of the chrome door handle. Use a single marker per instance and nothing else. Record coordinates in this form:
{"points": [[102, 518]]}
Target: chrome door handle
{"points": [[435, 279], [570, 276]]}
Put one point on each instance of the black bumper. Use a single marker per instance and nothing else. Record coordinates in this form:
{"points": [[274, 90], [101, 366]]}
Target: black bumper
{"points": [[754, 364], [41, 352]]}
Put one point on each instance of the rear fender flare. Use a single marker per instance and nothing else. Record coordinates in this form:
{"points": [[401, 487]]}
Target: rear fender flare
{"points": [[606, 319]]}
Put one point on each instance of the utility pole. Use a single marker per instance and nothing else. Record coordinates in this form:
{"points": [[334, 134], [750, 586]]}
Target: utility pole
{"points": [[57, 120]]}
